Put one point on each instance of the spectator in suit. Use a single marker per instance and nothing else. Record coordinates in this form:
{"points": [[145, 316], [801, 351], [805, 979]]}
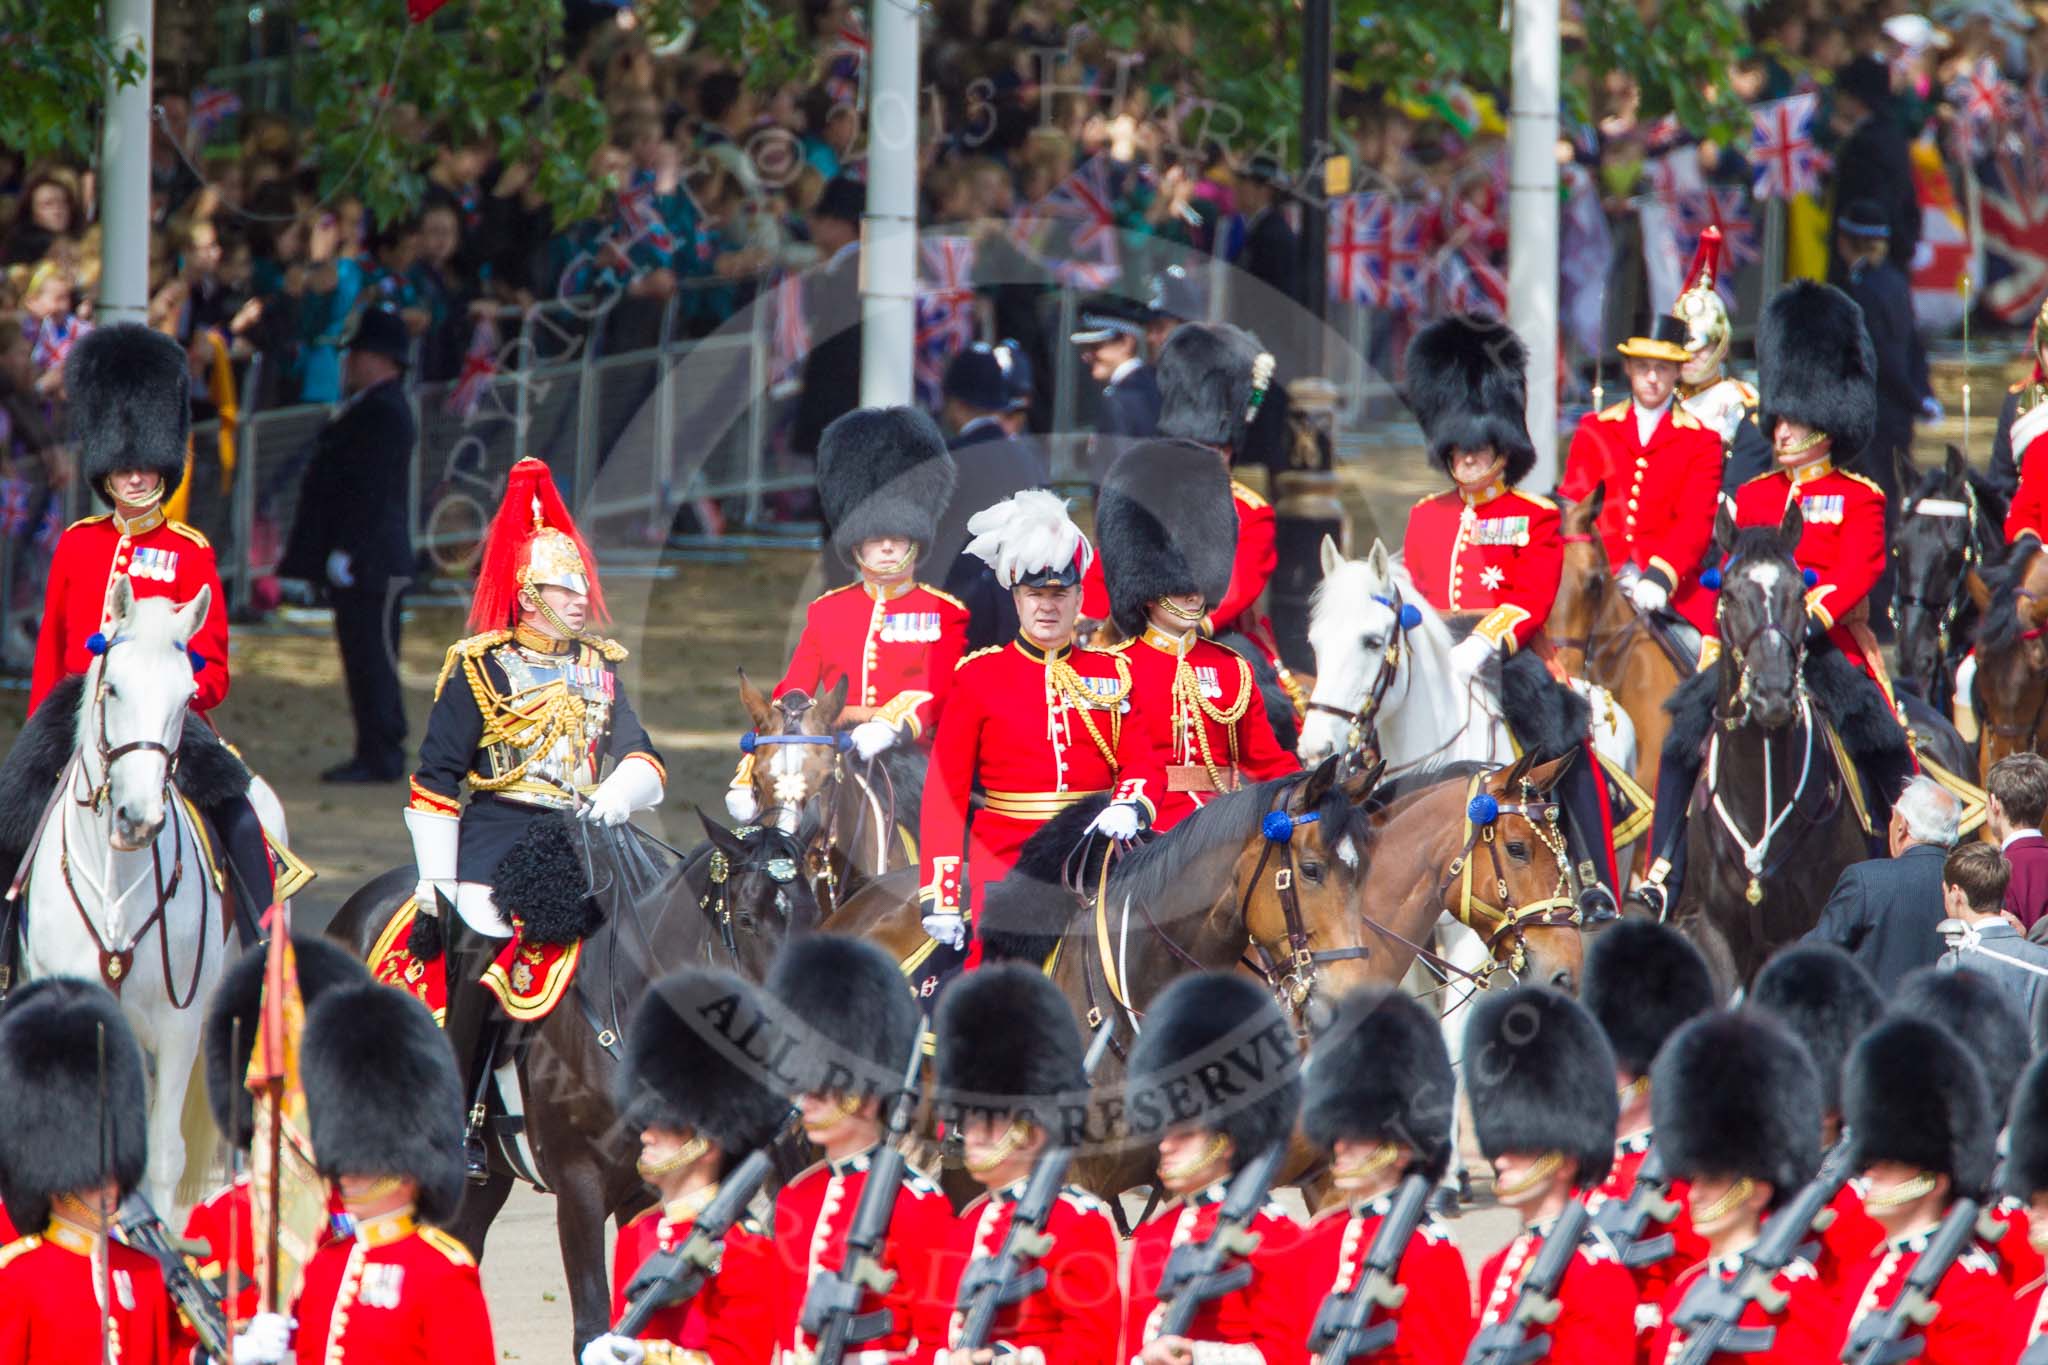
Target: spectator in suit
{"points": [[1981, 936], [831, 375], [1884, 911], [351, 533], [2017, 786], [985, 407], [1272, 256], [1872, 164]]}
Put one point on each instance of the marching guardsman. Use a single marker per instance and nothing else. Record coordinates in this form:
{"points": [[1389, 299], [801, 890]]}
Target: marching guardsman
{"points": [[884, 475], [2026, 1179], [1036, 724], [1643, 980], [1725, 404], [72, 1146], [1661, 468], [384, 1106], [1541, 1078], [699, 1111], [1827, 1001], [1010, 1076], [527, 712], [1379, 1099], [1737, 1106], [1207, 1131], [1488, 555], [1925, 1136], [1198, 726], [849, 1025]]}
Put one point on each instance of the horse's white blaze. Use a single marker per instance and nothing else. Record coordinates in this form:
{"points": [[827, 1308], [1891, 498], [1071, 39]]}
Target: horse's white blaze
{"points": [[1764, 574], [1347, 853]]}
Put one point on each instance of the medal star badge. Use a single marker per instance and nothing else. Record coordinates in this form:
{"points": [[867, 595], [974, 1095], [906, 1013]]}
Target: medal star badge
{"points": [[1491, 577]]}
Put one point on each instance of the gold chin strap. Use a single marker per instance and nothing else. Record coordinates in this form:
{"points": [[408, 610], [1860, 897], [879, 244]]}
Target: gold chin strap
{"points": [[903, 565], [1905, 1192], [1018, 1133], [686, 1155], [1544, 1167], [1218, 1145], [1634, 1090], [1383, 1156], [1800, 447], [844, 1107], [377, 1189], [534, 601], [1718, 1210], [1181, 613]]}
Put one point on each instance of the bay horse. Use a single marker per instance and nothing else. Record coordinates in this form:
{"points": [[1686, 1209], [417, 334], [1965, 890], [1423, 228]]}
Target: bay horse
{"points": [[2011, 688], [1951, 521], [729, 903]]}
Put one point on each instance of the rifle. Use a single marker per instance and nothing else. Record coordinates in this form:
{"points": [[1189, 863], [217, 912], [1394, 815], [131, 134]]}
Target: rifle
{"points": [[1625, 1220], [1880, 1339], [832, 1313], [141, 1228], [1195, 1272], [1516, 1340], [1711, 1314], [1341, 1334], [1009, 1277]]}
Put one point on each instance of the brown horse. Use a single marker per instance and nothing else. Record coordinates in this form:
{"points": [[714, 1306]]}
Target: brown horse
{"points": [[2011, 691]]}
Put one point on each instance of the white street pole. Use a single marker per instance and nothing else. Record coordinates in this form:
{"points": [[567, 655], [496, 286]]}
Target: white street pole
{"points": [[124, 170], [888, 253], [1532, 217]]}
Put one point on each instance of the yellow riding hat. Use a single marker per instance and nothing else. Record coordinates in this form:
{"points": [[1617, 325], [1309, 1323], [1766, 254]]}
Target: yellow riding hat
{"points": [[1666, 341]]}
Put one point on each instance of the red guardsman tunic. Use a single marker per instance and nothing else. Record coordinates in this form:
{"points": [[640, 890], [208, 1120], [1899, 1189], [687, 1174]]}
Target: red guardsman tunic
{"points": [[1197, 726], [49, 1312], [2028, 515], [222, 1220], [2018, 1262], [1273, 1312], [812, 1215], [1661, 498], [1251, 567], [1436, 1319], [1975, 1308], [731, 1320], [397, 1293], [1499, 554], [1807, 1331], [1075, 1318], [1843, 544], [896, 648], [2027, 1326], [1653, 1280], [1850, 1238], [160, 559], [1596, 1302]]}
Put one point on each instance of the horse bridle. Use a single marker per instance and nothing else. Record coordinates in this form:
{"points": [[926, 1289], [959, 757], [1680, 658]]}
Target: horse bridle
{"points": [[109, 754], [1745, 684], [780, 870], [1361, 719], [1559, 910], [1292, 981], [1973, 554]]}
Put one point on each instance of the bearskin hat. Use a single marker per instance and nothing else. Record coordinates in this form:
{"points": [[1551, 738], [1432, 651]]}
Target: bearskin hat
{"points": [[383, 1096], [1817, 366], [1199, 1023], [1165, 525], [884, 472], [1008, 1045], [1383, 1074], [1206, 382], [848, 1016], [687, 1065], [1983, 1018], [2026, 1159], [1734, 1093], [1644, 979], [1541, 1077], [322, 965], [131, 405], [51, 1140], [1913, 1094], [1826, 999], [1467, 384]]}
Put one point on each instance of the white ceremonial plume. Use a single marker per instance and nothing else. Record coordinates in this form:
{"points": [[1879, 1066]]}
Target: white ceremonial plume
{"points": [[1026, 534]]}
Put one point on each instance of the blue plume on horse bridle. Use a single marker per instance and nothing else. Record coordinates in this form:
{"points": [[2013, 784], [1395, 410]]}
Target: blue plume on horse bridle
{"points": [[97, 644], [1279, 825], [1483, 809], [1410, 614]]}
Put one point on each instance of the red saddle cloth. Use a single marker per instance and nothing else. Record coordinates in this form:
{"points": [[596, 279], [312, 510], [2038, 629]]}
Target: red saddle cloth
{"points": [[529, 979]]}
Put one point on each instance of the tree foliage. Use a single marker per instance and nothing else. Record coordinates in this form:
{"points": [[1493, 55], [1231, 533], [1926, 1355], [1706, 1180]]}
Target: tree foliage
{"points": [[53, 64]]}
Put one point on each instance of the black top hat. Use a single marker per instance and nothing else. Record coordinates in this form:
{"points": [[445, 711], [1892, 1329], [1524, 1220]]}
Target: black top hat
{"points": [[381, 332], [1866, 80], [1863, 218], [975, 377]]}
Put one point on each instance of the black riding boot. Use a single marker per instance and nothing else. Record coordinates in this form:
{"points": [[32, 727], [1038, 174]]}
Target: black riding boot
{"points": [[1675, 782], [472, 1027], [1586, 840], [250, 883]]}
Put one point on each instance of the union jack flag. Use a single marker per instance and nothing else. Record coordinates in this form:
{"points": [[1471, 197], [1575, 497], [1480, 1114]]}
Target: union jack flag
{"points": [[1676, 177], [479, 366], [1468, 282], [790, 341], [848, 58], [945, 308], [640, 218], [1987, 103], [1391, 272], [2014, 213], [2033, 106], [1350, 238], [1781, 147], [211, 107], [1726, 207], [51, 527], [13, 506], [1085, 198]]}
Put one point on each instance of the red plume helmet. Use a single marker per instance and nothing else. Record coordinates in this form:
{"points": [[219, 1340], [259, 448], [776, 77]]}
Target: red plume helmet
{"points": [[1706, 260], [532, 516]]}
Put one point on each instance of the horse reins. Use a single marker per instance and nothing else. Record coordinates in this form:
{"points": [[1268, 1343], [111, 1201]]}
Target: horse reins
{"points": [[1483, 811], [1361, 718], [1293, 981]]}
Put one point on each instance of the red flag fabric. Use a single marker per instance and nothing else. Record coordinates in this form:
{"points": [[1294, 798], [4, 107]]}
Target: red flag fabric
{"points": [[419, 11]]}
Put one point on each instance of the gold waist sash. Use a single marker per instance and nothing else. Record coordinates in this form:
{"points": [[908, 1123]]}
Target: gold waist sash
{"points": [[1033, 805]]}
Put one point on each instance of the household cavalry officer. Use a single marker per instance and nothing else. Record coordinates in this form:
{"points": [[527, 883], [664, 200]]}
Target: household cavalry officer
{"points": [[384, 1106], [1037, 724], [1724, 404], [2026, 1179], [1010, 1078], [699, 1111], [527, 712], [884, 475], [1198, 726], [2019, 460], [1379, 1100]]}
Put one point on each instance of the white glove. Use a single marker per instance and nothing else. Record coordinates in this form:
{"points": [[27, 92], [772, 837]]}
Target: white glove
{"points": [[610, 1349], [1469, 655], [264, 1341], [870, 737], [435, 839], [947, 928], [740, 803], [1649, 595], [1119, 820], [338, 571], [635, 785]]}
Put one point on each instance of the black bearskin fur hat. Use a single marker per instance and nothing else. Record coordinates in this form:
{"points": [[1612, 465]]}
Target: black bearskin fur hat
{"points": [[1165, 525], [1467, 383], [322, 965], [1734, 1094], [131, 405], [1644, 979], [883, 472], [2026, 1159], [1826, 999], [848, 1017], [687, 1065], [1983, 1018], [1817, 366], [50, 1075], [1214, 1020], [1541, 1078], [1383, 1074], [383, 1096], [1914, 1095], [1008, 1045], [1205, 383]]}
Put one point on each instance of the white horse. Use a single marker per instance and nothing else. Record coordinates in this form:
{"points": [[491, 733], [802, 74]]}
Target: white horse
{"points": [[121, 889]]}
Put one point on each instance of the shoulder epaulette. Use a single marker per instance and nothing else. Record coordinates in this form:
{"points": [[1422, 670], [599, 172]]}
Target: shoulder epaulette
{"points": [[1541, 501], [653, 1211], [1759, 478], [943, 595], [966, 659], [1082, 1200], [1245, 495], [611, 651], [834, 592], [448, 1246], [191, 533], [475, 647], [1616, 412], [15, 1250], [2018, 386], [1748, 390], [1119, 647], [1683, 419], [88, 521], [1863, 479]]}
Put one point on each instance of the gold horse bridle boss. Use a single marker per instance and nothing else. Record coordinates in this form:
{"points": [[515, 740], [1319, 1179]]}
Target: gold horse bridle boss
{"points": [[1483, 811]]}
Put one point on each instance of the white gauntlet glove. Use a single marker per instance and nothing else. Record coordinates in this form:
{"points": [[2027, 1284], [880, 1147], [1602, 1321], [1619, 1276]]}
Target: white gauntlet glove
{"points": [[1119, 820], [1469, 655], [1649, 595], [947, 927], [635, 785], [870, 737], [610, 1349], [264, 1341], [434, 842], [740, 803]]}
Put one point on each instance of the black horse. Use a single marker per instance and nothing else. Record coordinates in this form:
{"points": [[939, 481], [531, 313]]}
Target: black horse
{"points": [[1951, 521], [729, 903]]}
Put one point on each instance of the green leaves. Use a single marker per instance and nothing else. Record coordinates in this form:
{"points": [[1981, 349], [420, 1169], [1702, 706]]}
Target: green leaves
{"points": [[54, 61]]}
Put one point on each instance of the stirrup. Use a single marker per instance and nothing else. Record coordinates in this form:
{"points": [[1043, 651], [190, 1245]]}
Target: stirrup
{"points": [[476, 1158], [1597, 906], [1654, 897]]}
